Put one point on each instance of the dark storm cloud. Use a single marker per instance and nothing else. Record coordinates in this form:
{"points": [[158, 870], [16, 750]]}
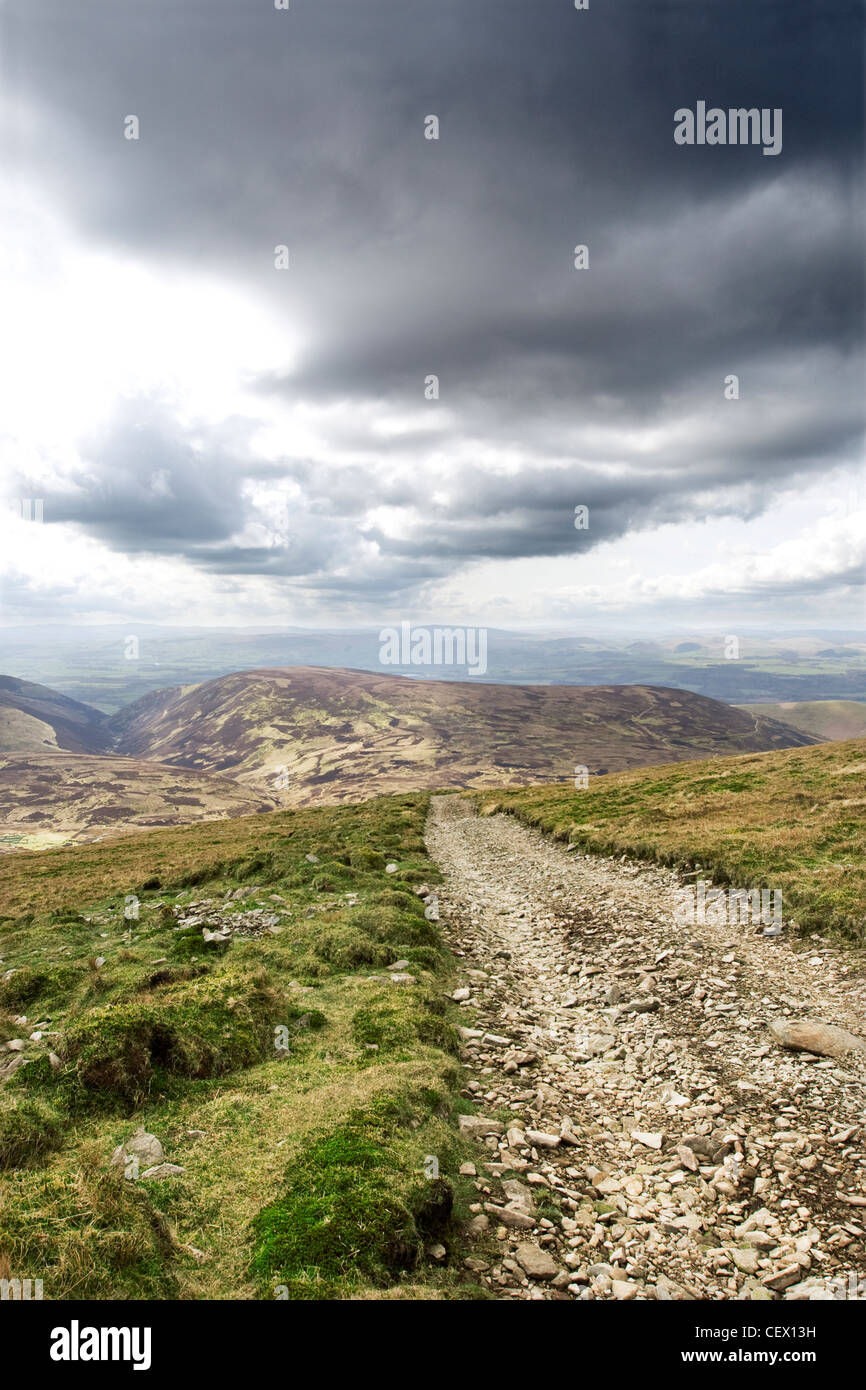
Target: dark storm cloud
{"points": [[454, 257], [250, 115], [148, 489]]}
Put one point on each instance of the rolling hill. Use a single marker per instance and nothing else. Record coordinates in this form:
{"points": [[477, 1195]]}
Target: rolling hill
{"points": [[299, 736], [312, 734], [87, 661], [34, 717]]}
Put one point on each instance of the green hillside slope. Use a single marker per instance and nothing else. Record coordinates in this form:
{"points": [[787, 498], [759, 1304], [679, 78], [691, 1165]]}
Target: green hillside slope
{"points": [[293, 1079]]}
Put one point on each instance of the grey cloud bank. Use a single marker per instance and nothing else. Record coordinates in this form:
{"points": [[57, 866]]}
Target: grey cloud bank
{"points": [[454, 257]]}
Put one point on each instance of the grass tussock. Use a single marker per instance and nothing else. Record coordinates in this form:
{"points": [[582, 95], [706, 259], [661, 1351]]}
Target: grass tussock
{"points": [[29, 1129], [88, 1234], [199, 1028]]}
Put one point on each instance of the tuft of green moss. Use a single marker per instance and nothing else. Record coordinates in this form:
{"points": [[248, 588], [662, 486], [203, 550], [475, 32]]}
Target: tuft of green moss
{"points": [[27, 985], [361, 858], [352, 1209], [401, 1019]]}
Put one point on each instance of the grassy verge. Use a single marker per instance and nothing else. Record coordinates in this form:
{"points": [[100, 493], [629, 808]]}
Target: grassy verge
{"points": [[793, 820], [301, 1090]]}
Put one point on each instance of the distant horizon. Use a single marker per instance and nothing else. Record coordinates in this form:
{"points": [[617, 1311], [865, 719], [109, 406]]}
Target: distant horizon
{"points": [[641, 632], [113, 665]]}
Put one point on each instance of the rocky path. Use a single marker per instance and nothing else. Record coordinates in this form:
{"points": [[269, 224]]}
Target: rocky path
{"points": [[689, 1154]]}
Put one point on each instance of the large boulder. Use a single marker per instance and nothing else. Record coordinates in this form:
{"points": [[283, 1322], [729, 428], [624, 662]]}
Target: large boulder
{"points": [[811, 1035]]}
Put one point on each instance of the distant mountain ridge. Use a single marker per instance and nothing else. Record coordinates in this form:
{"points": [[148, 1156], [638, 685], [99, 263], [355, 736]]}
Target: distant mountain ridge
{"points": [[89, 663], [297, 736]]}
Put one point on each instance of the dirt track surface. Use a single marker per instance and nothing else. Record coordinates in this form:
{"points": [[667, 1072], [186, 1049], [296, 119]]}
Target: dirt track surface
{"points": [[662, 1144]]}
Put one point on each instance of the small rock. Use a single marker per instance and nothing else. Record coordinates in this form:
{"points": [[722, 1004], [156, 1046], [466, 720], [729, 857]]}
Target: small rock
{"points": [[518, 1197], [535, 1262], [163, 1170], [607, 1186], [673, 1098], [540, 1140], [782, 1278], [643, 1006], [146, 1147], [509, 1218], [810, 1291], [688, 1157], [649, 1140], [477, 1127]]}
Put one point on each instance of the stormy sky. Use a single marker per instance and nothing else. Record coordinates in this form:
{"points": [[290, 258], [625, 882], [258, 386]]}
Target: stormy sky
{"points": [[217, 439]]}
